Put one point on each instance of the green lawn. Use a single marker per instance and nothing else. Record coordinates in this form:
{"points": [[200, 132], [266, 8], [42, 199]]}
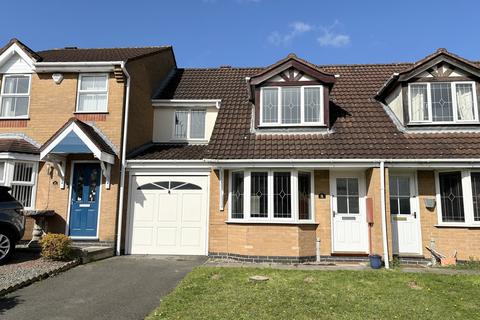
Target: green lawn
{"points": [[227, 293]]}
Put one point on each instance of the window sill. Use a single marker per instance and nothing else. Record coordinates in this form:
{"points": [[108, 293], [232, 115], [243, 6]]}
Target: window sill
{"points": [[443, 123], [15, 118], [464, 226], [279, 126], [90, 112], [271, 222]]}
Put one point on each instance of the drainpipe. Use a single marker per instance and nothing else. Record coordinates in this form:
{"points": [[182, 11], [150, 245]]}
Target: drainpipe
{"points": [[123, 161], [384, 215]]}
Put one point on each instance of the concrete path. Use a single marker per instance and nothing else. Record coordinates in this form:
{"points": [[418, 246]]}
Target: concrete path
{"points": [[127, 287]]}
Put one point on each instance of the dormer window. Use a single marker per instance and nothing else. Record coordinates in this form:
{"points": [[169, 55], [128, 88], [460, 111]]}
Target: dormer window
{"points": [[189, 124], [291, 106], [442, 102]]}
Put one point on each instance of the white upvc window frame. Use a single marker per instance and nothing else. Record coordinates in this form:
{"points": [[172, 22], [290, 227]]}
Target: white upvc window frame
{"points": [[189, 119], [302, 123], [79, 91], [453, 91], [14, 95], [294, 219], [8, 178], [467, 199]]}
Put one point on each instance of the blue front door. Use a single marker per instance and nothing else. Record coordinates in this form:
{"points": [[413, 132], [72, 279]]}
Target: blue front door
{"points": [[85, 200]]}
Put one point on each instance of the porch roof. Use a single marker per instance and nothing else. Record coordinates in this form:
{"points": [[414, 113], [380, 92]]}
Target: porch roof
{"points": [[78, 137]]}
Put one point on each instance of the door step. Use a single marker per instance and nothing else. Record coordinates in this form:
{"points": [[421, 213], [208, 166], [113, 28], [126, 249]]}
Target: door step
{"points": [[90, 254]]}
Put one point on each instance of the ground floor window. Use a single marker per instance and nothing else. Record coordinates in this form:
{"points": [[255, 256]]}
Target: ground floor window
{"points": [[21, 177], [271, 195], [458, 194], [400, 194]]}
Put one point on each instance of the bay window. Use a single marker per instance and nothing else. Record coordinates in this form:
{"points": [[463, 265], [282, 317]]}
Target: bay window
{"points": [[271, 195], [92, 93], [291, 106], [443, 102], [20, 176], [458, 196], [15, 96]]}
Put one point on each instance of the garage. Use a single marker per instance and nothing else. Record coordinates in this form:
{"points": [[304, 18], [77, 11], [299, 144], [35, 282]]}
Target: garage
{"points": [[168, 215]]}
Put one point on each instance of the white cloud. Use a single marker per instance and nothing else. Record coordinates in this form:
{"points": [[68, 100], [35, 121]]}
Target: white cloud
{"points": [[296, 28], [332, 39]]}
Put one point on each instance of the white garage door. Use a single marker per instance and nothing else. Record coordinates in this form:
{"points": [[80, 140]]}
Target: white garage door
{"points": [[169, 215]]}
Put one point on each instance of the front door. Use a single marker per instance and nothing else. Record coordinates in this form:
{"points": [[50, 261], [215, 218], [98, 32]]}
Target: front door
{"points": [[85, 199], [404, 214], [350, 229]]}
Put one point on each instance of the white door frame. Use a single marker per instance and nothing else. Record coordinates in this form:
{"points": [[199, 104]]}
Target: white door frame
{"points": [[415, 207], [133, 185], [362, 191], [69, 205]]}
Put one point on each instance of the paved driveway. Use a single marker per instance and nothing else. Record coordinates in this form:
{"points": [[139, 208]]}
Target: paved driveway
{"points": [[126, 287]]}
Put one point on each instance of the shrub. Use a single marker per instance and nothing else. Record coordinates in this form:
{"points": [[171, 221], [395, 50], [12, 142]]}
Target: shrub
{"points": [[56, 246]]}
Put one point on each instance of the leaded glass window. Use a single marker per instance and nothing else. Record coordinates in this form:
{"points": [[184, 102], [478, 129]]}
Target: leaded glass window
{"points": [[451, 195]]}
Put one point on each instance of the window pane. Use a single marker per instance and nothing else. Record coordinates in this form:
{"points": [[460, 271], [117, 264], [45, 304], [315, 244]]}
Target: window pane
{"points": [[291, 105], [237, 195], [16, 85], [442, 109], [393, 205], [22, 172], [8, 107], [89, 102], [304, 195], [352, 186], [181, 118], [312, 104], [282, 197], [419, 102], [341, 186], [476, 195], [10, 85], [22, 85], [465, 104], [2, 170], [23, 194], [270, 105], [258, 195], [403, 186], [451, 195], [93, 82], [197, 124], [21, 106], [404, 205], [342, 204], [353, 205], [22, 183]]}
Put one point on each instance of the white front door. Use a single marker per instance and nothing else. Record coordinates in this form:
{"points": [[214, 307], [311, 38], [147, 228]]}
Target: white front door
{"points": [[350, 228], [169, 215], [404, 214]]}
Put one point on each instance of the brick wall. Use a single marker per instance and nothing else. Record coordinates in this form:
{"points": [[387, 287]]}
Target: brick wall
{"points": [[464, 240]]}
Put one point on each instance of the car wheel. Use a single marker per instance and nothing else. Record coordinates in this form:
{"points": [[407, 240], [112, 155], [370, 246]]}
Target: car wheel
{"points": [[7, 246]]}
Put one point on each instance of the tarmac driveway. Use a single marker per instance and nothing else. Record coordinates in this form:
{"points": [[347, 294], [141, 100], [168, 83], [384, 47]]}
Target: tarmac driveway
{"points": [[126, 287]]}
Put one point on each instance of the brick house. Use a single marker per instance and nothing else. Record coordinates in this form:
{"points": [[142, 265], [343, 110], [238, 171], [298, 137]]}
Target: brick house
{"points": [[64, 115], [296, 160]]}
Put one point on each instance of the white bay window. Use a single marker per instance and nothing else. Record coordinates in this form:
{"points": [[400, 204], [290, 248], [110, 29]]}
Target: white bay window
{"points": [[20, 176], [442, 102], [271, 196], [291, 106]]}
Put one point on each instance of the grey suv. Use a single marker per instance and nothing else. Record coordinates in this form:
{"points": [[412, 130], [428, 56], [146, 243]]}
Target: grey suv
{"points": [[12, 224]]}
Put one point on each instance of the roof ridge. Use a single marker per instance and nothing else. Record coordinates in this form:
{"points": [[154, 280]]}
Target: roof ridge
{"points": [[108, 48]]}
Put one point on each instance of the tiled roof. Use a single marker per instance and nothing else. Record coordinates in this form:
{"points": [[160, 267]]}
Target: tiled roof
{"points": [[360, 126], [169, 152], [97, 54], [17, 145]]}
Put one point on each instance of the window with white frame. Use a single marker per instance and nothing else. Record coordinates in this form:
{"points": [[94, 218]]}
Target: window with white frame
{"points": [[443, 102], [271, 195], [458, 195], [290, 106], [15, 96], [92, 93], [20, 176], [189, 124]]}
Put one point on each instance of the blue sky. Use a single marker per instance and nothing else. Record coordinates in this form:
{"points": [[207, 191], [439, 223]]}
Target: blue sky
{"points": [[209, 33]]}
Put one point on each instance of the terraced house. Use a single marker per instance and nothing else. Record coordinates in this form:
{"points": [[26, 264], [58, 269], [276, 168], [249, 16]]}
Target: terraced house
{"points": [[291, 162], [64, 115], [298, 161]]}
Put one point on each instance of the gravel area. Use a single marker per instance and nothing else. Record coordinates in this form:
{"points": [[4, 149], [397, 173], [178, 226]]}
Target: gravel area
{"points": [[27, 267]]}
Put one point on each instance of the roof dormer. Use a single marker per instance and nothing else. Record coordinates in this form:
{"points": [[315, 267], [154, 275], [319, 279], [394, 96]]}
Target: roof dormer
{"points": [[291, 93], [437, 92]]}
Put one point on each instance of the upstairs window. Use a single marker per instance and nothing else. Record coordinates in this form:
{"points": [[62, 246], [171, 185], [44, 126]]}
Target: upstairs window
{"points": [[92, 93], [189, 124], [291, 106], [443, 102], [15, 96]]}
